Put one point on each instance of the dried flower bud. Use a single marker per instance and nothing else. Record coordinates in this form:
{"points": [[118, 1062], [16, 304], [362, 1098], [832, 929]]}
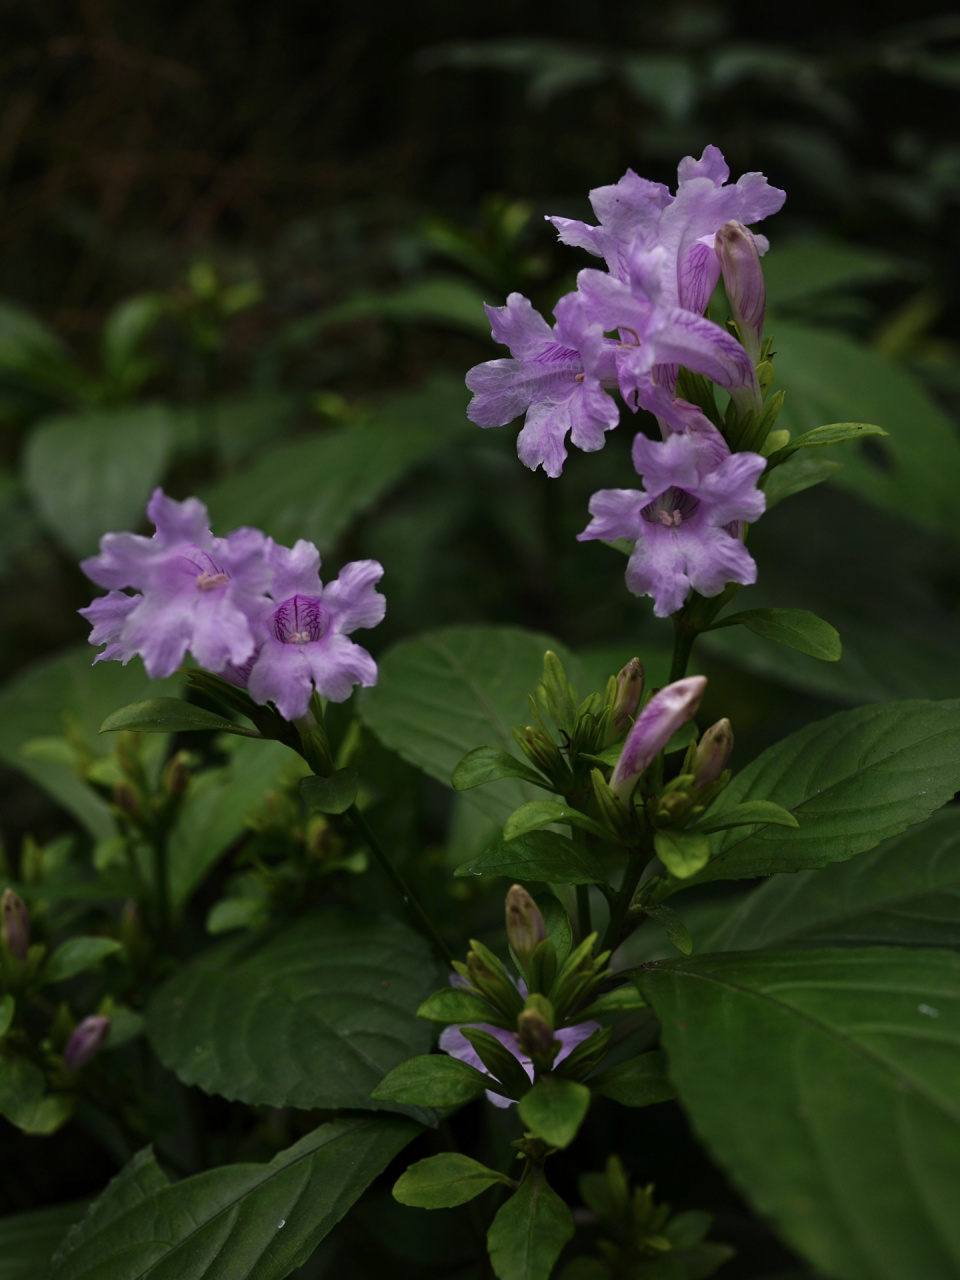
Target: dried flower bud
{"points": [[665, 713], [86, 1042], [16, 924], [525, 926], [713, 752], [535, 1035], [739, 256], [628, 694]]}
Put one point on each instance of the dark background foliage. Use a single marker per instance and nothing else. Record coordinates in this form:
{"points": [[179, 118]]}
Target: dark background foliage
{"points": [[318, 157]]}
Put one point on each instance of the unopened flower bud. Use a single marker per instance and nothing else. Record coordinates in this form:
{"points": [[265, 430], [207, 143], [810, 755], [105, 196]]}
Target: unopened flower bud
{"points": [[16, 924], [86, 1042], [739, 258], [126, 799], [627, 697], [665, 713], [525, 926], [176, 776], [713, 752], [535, 1035]]}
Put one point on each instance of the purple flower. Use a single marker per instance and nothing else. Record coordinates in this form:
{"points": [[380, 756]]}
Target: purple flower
{"points": [[556, 376], [453, 1041], [684, 522], [86, 1042], [637, 214], [303, 630], [196, 592], [657, 337], [665, 713]]}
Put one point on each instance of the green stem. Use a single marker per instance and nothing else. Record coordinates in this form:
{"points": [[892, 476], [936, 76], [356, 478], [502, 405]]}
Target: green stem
{"points": [[621, 903], [161, 867], [583, 910], [683, 638], [406, 893]]}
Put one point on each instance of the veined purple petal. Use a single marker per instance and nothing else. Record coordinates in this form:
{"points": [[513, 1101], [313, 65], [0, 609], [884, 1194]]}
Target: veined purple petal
{"points": [[519, 327], [616, 514], [107, 616], [665, 713], [353, 598]]}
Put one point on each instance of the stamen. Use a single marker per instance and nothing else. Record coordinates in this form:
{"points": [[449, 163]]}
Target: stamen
{"points": [[298, 637], [210, 581], [580, 377], [670, 519], [672, 509]]}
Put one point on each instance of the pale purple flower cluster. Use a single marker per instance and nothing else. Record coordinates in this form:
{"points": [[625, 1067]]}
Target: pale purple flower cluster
{"points": [[252, 611], [630, 328], [453, 1041]]}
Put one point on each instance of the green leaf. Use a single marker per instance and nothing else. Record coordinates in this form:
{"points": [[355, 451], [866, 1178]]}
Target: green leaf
{"points": [[454, 1004], [682, 852], [251, 1019], [529, 1231], [35, 703], [826, 1083], [554, 1109], [795, 628], [7, 1009], [488, 764], [170, 715], [903, 893], [623, 1000], [807, 266], [251, 1220], [559, 929], [541, 813], [443, 1181], [539, 855], [331, 795], [509, 1076], [315, 486], [28, 1240], [852, 780], [802, 471], [92, 473], [830, 378], [432, 1080], [21, 1088], [441, 694], [447, 301], [77, 954], [835, 433], [747, 814], [638, 1082], [672, 925]]}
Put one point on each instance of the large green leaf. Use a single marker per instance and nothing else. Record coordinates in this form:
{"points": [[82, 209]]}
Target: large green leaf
{"points": [[829, 378], [526, 1236], [35, 705], [803, 268], [92, 473], [314, 1016], [906, 892], [314, 486], [538, 855], [238, 1222], [851, 780], [827, 1083], [447, 692], [28, 1240]]}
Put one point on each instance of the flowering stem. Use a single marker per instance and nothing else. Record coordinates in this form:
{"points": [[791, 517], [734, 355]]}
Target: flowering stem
{"points": [[621, 903], [412, 904]]}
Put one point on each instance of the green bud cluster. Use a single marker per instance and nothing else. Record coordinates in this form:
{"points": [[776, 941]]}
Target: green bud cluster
{"points": [[638, 1235], [702, 777]]}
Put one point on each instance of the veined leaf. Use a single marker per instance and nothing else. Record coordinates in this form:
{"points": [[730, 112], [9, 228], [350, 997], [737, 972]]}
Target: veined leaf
{"points": [[538, 855], [795, 628], [444, 1180], [312, 1017], [241, 1220], [852, 780], [526, 1236], [826, 1083], [170, 715]]}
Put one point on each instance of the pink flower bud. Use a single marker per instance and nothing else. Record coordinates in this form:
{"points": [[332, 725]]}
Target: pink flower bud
{"points": [[86, 1042], [743, 280], [16, 924], [525, 926], [665, 713], [713, 752]]}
